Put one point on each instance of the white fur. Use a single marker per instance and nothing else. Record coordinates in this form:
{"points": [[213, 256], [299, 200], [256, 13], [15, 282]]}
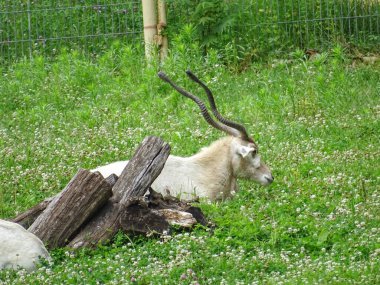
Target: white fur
{"points": [[211, 173], [19, 248]]}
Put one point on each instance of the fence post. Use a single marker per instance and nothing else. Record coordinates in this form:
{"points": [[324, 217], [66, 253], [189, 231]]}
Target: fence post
{"points": [[29, 29], [150, 27], [163, 40]]}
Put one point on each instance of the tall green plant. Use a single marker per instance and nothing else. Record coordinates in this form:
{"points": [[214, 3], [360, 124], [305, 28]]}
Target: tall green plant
{"points": [[212, 19], [256, 28]]}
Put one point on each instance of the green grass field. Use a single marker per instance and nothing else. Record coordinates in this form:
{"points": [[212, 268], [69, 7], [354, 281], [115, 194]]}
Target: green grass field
{"points": [[317, 125]]}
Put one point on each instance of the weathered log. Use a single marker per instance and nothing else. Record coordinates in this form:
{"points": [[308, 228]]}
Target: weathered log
{"points": [[197, 215], [158, 202], [155, 214], [27, 218], [138, 218], [112, 179], [80, 199], [126, 210], [101, 227], [177, 217], [141, 170], [133, 182]]}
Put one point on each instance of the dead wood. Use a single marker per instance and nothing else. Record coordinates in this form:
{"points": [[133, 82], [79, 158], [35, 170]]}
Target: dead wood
{"points": [[177, 218], [82, 197], [138, 218], [141, 170], [155, 214], [157, 201], [27, 218], [101, 228], [84, 214], [133, 182]]}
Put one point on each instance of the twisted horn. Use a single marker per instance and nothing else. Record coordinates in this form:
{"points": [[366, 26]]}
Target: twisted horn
{"points": [[202, 107], [244, 135]]}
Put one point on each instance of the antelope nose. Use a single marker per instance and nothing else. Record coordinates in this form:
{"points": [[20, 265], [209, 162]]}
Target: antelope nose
{"points": [[269, 178]]}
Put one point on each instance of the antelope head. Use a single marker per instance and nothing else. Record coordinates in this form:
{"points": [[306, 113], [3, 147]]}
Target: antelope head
{"points": [[244, 152]]}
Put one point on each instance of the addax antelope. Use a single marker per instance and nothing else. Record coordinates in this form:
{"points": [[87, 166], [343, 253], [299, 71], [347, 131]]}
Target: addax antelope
{"points": [[211, 173]]}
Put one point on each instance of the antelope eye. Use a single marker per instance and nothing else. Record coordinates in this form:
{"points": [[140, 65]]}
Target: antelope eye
{"points": [[254, 152]]}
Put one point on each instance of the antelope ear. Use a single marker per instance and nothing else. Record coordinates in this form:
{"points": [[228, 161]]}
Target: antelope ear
{"points": [[244, 150]]}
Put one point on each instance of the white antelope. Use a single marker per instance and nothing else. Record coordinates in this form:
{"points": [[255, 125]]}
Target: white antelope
{"points": [[211, 173]]}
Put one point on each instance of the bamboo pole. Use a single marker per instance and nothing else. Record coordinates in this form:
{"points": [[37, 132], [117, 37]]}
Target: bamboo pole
{"points": [[163, 40], [29, 29], [150, 27]]}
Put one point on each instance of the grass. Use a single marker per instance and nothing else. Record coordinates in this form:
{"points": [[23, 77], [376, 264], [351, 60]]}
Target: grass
{"points": [[317, 123]]}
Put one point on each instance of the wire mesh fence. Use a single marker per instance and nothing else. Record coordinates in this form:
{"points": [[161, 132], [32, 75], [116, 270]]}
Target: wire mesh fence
{"points": [[45, 27], [281, 25], [30, 27]]}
